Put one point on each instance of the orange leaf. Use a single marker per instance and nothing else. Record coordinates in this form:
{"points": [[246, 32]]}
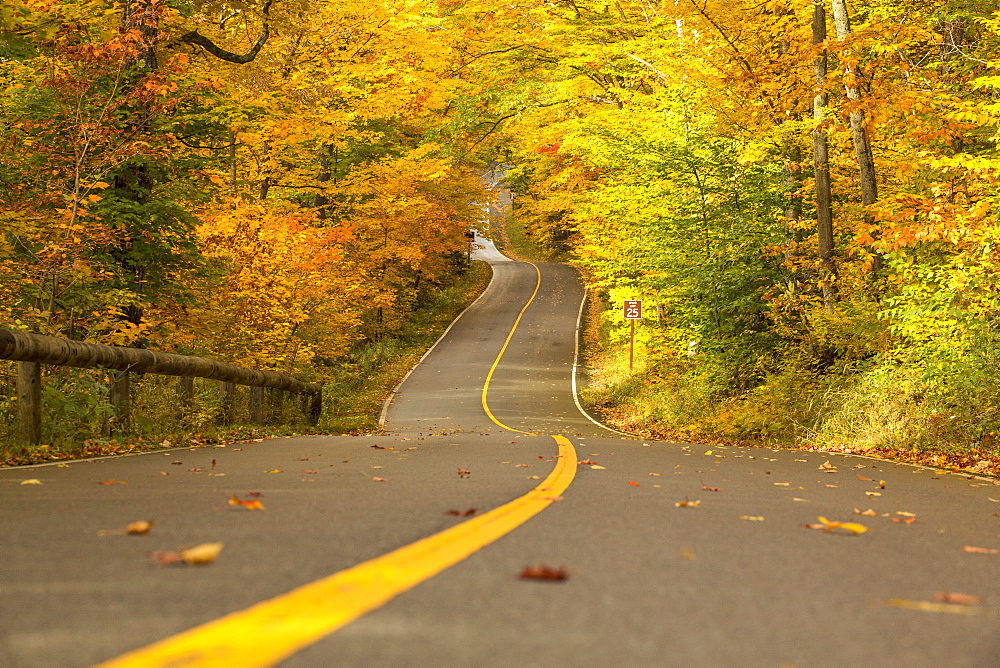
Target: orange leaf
{"points": [[547, 573], [633, 483], [980, 550]]}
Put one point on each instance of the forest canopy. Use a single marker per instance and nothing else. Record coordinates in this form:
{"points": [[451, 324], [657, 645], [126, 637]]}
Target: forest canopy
{"points": [[803, 193]]}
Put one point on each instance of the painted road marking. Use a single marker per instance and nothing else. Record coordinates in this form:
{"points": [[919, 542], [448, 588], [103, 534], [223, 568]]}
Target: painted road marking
{"points": [[503, 349], [273, 630]]}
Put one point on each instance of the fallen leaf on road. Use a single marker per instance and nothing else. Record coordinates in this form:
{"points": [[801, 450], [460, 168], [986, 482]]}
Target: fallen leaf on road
{"points": [[249, 504], [113, 482], [752, 518], [881, 484], [273, 471], [598, 467], [547, 573], [930, 606], [708, 452], [873, 493], [176, 463], [534, 477], [710, 489], [463, 473], [302, 459], [869, 512], [461, 513], [633, 483], [903, 513], [31, 481], [833, 486], [828, 467], [195, 470], [688, 504], [782, 484], [140, 528], [861, 477], [904, 520], [379, 447], [375, 479], [202, 554], [520, 466], [993, 500], [980, 550], [308, 471], [656, 474], [957, 598], [584, 462], [828, 525]]}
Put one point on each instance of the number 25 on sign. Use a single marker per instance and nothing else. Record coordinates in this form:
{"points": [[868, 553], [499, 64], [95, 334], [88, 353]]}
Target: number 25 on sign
{"points": [[632, 312]]}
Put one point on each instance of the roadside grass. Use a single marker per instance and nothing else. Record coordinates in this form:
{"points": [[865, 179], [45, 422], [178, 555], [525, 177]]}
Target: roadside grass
{"points": [[882, 413], [76, 409]]}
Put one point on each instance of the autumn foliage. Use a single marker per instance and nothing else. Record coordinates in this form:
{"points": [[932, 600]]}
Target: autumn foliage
{"points": [[271, 181]]}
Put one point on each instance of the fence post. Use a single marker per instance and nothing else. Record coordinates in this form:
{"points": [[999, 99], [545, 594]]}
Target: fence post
{"points": [[118, 394], [316, 408], [185, 396], [256, 405], [29, 402], [228, 392], [276, 397]]}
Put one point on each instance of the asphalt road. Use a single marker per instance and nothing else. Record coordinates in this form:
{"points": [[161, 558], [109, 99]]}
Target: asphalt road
{"points": [[731, 578]]}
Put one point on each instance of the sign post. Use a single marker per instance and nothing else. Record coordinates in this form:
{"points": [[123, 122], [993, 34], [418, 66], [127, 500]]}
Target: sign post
{"points": [[632, 312]]}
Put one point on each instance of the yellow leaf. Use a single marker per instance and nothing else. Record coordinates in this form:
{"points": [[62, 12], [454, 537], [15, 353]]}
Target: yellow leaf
{"points": [[31, 481], [201, 554]]}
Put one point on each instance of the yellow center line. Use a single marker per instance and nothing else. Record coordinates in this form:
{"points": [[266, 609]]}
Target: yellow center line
{"points": [[272, 630], [503, 349], [275, 629]]}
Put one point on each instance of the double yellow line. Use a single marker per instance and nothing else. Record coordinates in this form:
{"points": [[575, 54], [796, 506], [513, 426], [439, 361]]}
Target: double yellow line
{"points": [[272, 630]]}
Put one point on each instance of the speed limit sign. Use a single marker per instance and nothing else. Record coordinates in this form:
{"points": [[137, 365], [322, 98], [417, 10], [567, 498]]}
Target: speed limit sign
{"points": [[633, 309]]}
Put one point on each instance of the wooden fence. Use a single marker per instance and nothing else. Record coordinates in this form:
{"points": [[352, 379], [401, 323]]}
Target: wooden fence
{"points": [[30, 351]]}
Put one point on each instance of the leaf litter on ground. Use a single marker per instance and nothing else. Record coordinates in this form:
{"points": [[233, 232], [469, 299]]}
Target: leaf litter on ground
{"points": [[199, 555]]}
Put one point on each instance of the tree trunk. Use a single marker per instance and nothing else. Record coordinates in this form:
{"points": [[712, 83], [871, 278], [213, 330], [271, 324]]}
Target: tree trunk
{"points": [[821, 162], [862, 142]]}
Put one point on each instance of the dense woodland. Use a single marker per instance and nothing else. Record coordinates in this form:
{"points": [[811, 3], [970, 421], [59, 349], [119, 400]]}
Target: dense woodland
{"points": [[802, 193]]}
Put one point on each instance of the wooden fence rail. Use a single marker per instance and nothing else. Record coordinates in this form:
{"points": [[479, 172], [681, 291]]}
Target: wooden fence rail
{"points": [[33, 350]]}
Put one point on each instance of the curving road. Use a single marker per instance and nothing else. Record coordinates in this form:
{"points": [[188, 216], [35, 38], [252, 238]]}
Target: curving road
{"points": [[405, 548]]}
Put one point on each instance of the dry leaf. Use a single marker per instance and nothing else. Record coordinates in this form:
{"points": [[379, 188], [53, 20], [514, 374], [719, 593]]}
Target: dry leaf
{"points": [[861, 477], [598, 467], [31, 481], [273, 471], [980, 550], [688, 504], [869, 512], [710, 489], [782, 484], [202, 554], [376, 479], [828, 525], [827, 466], [547, 573], [113, 482], [633, 483], [205, 553], [904, 520], [956, 598], [930, 606], [249, 504], [460, 513], [656, 474], [873, 493], [752, 518], [139, 528], [462, 473], [903, 513]]}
